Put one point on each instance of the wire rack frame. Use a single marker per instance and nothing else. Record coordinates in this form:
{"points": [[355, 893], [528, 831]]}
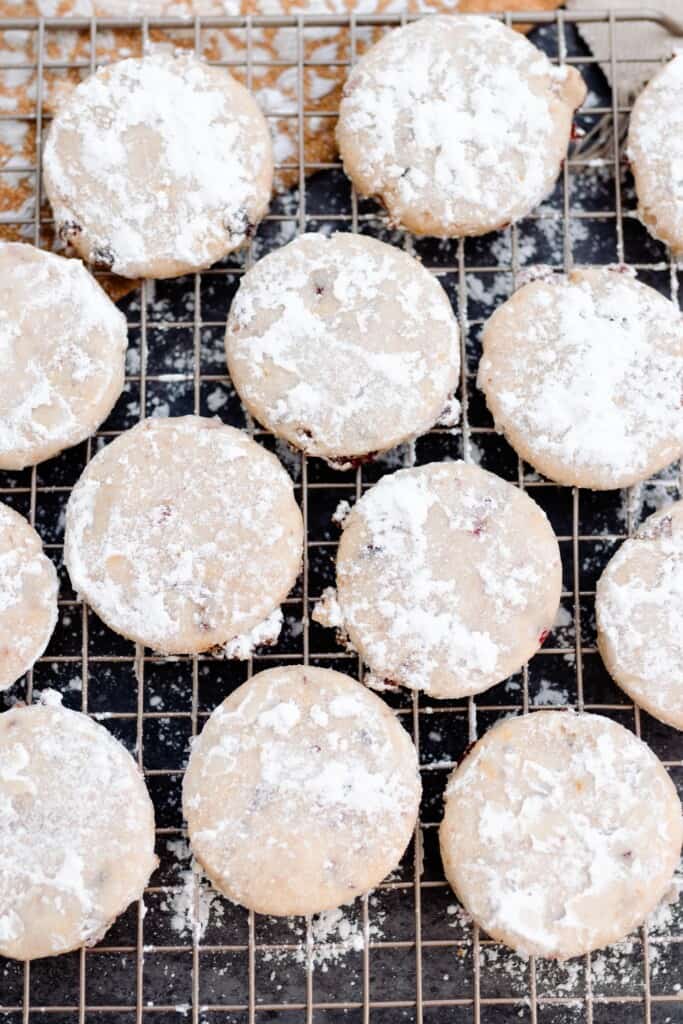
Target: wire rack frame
{"points": [[473, 1001]]}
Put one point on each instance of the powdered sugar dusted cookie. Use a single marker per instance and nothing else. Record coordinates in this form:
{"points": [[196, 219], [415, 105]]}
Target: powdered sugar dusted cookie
{"points": [[457, 124], [584, 376], [655, 150], [157, 166], [344, 346], [561, 833], [639, 606], [183, 534], [448, 579], [76, 831], [62, 345], [302, 792], [28, 596]]}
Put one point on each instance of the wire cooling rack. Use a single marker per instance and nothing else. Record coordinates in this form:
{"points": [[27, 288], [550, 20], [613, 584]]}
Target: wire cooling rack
{"points": [[407, 952]]}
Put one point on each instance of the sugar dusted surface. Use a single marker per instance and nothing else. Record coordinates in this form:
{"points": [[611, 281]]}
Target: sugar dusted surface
{"points": [[655, 149], [458, 124], [343, 345], [301, 792], [584, 376], [183, 534], [62, 350], [448, 579], [639, 606], [28, 596], [561, 833], [158, 165], [76, 831]]}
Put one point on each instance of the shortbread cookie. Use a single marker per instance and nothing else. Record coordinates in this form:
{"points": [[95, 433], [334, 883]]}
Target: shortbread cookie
{"points": [[183, 534], [457, 124], [448, 579], [63, 345], [302, 792], [344, 346], [584, 376], [158, 166], [28, 596], [561, 833], [655, 150], [76, 831], [639, 607]]}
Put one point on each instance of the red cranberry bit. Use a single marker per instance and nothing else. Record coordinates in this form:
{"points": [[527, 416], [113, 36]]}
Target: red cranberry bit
{"points": [[543, 636]]}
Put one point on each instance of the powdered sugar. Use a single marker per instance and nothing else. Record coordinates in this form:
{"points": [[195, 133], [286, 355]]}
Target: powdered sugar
{"points": [[28, 596], [184, 534], [639, 607], [447, 578], [72, 806], [301, 792], [458, 124], [62, 351], [585, 375], [343, 345], [158, 165], [561, 832], [655, 148]]}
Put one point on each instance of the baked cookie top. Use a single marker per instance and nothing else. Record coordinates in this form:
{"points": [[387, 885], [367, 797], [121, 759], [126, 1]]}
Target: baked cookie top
{"points": [[457, 124], [448, 579], [561, 833], [63, 345], [76, 831], [183, 534], [639, 607], [302, 791], [344, 346], [28, 596], [584, 376], [158, 165], [655, 150]]}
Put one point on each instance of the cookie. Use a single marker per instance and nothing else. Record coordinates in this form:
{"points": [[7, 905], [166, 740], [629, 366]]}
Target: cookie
{"points": [[344, 346], [561, 833], [183, 534], [63, 346], [639, 608], [158, 166], [584, 376], [76, 831], [28, 597], [457, 124], [448, 579], [301, 793], [655, 151]]}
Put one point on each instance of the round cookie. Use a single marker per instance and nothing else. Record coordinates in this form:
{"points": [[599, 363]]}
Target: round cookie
{"points": [[63, 345], [28, 597], [344, 346], [655, 151], [76, 831], [639, 608], [584, 376], [183, 534], [457, 124], [301, 793], [448, 579], [158, 166], [561, 833]]}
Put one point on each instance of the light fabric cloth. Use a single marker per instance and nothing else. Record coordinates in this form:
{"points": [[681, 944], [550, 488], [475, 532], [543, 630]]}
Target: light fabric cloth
{"points": [[645, 39]]}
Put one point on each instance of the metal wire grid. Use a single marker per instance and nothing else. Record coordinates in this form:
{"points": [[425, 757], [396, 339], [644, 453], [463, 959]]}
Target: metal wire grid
{"points": [[420, 970]]}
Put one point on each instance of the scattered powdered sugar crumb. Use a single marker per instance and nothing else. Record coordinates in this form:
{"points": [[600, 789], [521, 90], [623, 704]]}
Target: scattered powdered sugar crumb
{"points": [[265, 634], [194, 903]]}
